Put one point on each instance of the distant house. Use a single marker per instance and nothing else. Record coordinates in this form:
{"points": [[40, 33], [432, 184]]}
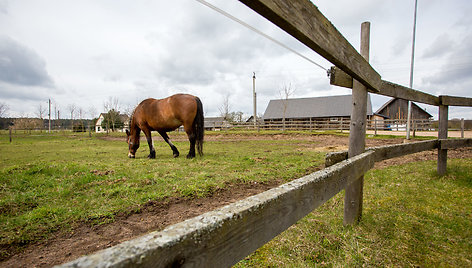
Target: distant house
{"points": [[123, 118], [330, 108], [215, 123]]}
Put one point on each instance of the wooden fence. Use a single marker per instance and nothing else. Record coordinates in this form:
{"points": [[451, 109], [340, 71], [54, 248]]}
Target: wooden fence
{"points": [[325, 124], [222, 237]]}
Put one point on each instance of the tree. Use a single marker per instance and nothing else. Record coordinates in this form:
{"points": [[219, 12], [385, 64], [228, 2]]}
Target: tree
{"points": [[112, 105], [112, 120], [225, 108], [72, 108], [92, 111], [285, 92], [41, 111], [3, 109], [235, 117]]}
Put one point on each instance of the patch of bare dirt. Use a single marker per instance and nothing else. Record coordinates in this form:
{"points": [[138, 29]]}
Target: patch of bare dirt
{"points": [[85, 239]]}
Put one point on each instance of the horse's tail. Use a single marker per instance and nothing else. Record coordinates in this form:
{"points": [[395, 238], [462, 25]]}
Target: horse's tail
{"points": [[198, 127]]}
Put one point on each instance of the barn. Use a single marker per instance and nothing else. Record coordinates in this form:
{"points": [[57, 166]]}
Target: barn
{"points": [[396, 110], [316, 108]]}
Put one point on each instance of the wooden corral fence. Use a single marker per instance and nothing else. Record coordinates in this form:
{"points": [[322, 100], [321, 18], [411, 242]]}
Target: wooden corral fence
{"points": [[222, 237], [326, 124]]}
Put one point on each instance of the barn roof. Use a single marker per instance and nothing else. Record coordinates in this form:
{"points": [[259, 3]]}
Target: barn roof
{"points": [[331, 106]]}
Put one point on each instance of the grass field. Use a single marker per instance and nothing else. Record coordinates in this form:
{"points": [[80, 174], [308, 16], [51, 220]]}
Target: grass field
{"points": [[411, 217], [49, 182]]}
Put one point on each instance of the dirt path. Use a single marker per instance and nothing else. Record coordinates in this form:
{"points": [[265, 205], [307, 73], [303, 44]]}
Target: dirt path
{"points": [[85, 239]]}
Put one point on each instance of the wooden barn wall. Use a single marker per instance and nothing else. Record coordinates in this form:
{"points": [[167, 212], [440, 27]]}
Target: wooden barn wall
{"points": [[398, 109]]}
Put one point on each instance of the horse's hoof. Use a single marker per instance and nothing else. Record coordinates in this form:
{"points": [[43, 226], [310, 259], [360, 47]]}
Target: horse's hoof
{"points": [[152, 156], [176, 155], [190, 156], [131, 156]]}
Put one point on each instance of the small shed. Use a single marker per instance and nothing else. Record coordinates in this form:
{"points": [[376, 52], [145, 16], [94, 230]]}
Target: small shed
{"points": [[398, 109], [215, 123], [317, 108]]}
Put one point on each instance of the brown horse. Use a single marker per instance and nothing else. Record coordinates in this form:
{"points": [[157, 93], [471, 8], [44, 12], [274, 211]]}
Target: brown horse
{"points": [[165, 115]]}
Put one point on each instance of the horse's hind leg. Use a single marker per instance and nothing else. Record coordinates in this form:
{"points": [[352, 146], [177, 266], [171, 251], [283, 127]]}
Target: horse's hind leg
{"points": [[152, 151], [172, 146], [192, 139]]}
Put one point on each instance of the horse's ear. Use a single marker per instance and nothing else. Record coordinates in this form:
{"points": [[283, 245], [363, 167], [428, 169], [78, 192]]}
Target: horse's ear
{"points": [[127, 133]]}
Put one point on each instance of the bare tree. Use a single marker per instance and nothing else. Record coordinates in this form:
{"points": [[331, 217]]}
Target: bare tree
{"points": [[111, 104], [41, 111], [92, 111], [3, 109], [112, 108], [285, 92], [72, 108], [225, 107], [80, 112]]}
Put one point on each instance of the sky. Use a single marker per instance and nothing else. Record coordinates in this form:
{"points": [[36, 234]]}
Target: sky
{"points": [[84, 53]]}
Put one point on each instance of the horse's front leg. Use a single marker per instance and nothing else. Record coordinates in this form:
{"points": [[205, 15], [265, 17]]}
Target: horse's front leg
{"points": [[172, 146], [152, 151]]}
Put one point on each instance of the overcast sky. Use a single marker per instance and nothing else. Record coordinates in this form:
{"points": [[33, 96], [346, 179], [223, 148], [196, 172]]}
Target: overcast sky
{"points": [[84, 52]]}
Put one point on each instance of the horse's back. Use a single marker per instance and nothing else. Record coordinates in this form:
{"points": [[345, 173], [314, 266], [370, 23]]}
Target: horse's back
{"points": [[168, 113]]}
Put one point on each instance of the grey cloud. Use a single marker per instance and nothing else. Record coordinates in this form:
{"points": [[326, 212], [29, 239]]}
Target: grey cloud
{"points": [[4, 6], [20, 65], [458, 66], [441, 46], [14, 92]]}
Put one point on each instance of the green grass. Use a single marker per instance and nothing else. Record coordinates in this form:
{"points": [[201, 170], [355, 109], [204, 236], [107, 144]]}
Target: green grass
{"points": [[411, 218], [50, 182]]}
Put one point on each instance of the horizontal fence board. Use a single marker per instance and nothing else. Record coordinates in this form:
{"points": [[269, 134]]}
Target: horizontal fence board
{"points": [[342, 79], [391, 151], [386, 152], [222, 237], [455, 143], [397, 91], [455, 101], [303, 20]]}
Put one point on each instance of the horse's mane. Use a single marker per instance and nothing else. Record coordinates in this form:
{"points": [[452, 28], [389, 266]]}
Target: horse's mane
{"points": [[131, 117]]}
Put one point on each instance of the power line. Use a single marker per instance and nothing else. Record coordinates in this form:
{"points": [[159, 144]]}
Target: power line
{"points": [[226, 14]]}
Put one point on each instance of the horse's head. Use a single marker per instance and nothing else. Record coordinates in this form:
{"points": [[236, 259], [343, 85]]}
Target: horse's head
{"points": [[133, 143]]}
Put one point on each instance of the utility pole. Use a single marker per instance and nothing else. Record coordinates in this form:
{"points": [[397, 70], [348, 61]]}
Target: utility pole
{"points": [[254, 99], [49, 101], [408, 123]]}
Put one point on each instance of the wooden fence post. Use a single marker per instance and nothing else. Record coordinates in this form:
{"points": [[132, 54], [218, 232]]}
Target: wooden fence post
{"points": [[375, 126], [462, 127], [354, 191], [442, 134]]}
